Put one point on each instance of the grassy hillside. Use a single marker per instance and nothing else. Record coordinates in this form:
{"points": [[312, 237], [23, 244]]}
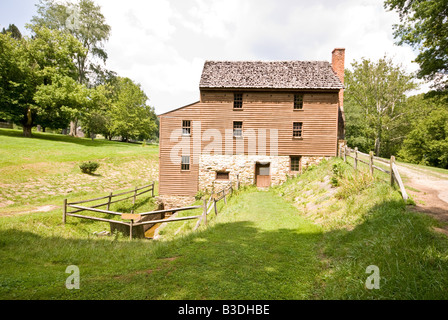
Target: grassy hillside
{"points": [[311, 238], [44, 170], [365, 222]]}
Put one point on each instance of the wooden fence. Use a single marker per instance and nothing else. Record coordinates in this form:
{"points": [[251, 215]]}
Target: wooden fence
{"points": [[135, 193], [392, 172], [136, 223]]}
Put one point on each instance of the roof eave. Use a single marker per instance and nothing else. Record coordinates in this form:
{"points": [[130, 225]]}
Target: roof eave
{"points": [[270, 88]]}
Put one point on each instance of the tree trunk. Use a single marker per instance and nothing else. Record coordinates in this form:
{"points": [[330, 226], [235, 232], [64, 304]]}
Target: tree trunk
{"points": [[377, 146], [378, 136], [27, 131], [73, 129], [28, 124]]}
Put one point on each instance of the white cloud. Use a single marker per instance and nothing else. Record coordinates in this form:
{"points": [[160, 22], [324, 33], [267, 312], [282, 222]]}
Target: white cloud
{"points": [[163, 44]]}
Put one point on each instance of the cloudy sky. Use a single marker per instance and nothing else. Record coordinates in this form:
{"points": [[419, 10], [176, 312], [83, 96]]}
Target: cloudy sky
{"points": [[163, 44]]}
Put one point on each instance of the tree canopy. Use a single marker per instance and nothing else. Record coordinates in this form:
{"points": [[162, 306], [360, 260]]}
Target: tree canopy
{"points": [[15, 32], [375, 105], [427, 142], [424, 26], [86, 23], [31, 66], [119, 108], [54, 77]]}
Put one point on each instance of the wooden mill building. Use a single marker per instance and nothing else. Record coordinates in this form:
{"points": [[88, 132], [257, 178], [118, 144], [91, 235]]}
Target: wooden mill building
{"points": [[257, 122]]}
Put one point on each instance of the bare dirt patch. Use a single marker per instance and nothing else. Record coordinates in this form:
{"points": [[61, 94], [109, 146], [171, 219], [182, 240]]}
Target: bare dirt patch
{"points": [[29, 191], [431, 191], [47, 208]]}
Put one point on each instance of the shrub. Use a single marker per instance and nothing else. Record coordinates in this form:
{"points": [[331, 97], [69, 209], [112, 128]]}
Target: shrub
{"points": [[338, 171], [199, 195], [354, 185], [89, 167]]}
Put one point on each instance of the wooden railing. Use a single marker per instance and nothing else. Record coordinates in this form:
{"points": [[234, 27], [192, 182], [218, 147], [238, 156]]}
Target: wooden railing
{"points": [[137, 222], [212, 202], [135, 193], [392, 172]]}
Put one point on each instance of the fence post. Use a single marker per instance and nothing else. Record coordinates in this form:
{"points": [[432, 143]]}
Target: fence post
{"points": [[64, 217], [152, 191], [130, 229], [356, 158], [110, 199], [224, 193], [204, 215], [371, 163], [392, 161], [345, 153], [216, 206], [135, 195]]}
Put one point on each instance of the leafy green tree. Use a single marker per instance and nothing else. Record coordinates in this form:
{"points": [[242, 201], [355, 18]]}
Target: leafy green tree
{"points": [[97, 119], [131, 117], [119, 109], [60, 101], [31, 68], [424, 26], [375, 105], [427, 143], [17, 83], [84, 21], [13, 30]]}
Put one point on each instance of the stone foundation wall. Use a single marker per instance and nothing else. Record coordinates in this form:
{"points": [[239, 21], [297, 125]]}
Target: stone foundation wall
{"points": [[240, 168], [170, 202], [341, 144]]}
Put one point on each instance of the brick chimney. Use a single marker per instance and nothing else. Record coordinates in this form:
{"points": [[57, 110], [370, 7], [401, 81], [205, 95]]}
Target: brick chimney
{"points": [[338, 64]]}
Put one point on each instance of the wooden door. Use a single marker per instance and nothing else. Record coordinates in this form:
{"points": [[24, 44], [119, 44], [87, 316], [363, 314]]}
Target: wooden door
{"points": [[263, 175]]}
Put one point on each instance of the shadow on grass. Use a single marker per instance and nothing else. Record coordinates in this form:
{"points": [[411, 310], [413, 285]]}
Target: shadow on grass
{"points": [[225, 261], [411, 257], [234, 260], [128, 206]]}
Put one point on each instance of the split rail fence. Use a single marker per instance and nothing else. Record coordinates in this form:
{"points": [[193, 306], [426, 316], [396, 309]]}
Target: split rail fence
{"points": [[137, 223], [392, 172]]}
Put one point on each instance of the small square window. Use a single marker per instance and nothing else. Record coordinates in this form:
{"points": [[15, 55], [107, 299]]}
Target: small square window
{"points": [[298, 101], [238, 101], [186, 127], [295, 163], [185, 164], [222, 175], [297, 130], [238, 129]]}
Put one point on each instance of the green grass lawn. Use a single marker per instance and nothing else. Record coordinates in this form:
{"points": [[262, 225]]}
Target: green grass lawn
{"points": [[45, 169], [246, 252], [366, 222], [305, 239]]}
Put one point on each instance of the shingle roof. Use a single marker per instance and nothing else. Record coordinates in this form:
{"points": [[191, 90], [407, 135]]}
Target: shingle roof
{"points": [[269, 75]]}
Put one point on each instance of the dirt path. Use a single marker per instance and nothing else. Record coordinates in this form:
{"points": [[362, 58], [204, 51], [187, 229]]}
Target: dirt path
{"points": [[432, 194]]}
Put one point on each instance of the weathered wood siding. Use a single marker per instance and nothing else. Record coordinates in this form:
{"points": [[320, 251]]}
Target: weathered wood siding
{"points": [[172, 180], [261, 111]]}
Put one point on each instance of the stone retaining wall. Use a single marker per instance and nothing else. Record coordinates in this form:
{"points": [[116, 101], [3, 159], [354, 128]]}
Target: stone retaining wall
{"points": [[240, 168]]}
